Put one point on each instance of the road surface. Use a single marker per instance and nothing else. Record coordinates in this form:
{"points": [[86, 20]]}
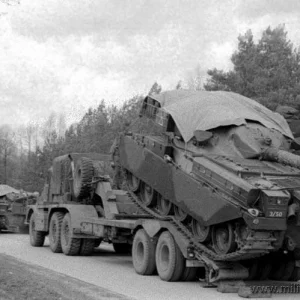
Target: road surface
{"points": [[110, 271]]}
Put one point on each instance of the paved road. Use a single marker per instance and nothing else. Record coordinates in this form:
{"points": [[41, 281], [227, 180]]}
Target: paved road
{"points": [[111, 271]]}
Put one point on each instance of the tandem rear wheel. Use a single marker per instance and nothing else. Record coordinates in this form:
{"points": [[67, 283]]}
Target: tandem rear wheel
{"points": [[61, 238], [160, 256]]}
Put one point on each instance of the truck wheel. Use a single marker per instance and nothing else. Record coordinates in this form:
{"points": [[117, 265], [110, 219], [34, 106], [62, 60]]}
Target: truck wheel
{"points": [[83, 176], [37, 238], [87, 247], [169, 259], [55, 232], [189, 274], [122, 248], [69, 245], [143, 253]]}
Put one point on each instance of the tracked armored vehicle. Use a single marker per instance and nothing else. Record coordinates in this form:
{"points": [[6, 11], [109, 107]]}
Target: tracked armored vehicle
{"points": [[223, 167]]}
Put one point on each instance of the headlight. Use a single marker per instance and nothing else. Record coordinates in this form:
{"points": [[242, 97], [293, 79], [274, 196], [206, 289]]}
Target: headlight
{"points": [[254, 212]]}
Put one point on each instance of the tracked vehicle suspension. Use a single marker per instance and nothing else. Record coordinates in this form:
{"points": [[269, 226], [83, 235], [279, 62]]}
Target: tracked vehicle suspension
{"points": [[242, 243]]}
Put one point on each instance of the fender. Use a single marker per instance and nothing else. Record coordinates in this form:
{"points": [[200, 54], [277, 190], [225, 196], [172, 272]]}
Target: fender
{"points": [[78, 214]]}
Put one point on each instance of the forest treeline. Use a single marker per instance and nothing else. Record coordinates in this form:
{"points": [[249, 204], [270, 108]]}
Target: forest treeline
{"points": [[267, 70]]}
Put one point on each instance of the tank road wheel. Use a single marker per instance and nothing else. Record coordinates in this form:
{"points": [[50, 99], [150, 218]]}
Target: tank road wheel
{"points": [[69, 245], [201, 233], [83, 176], [164, 206], [133, 182], [55, 232], [143, 253], [180, 214], [87, 247], [169, 259], [148, 194], [37, 238], [122, 248], [223, 238]]}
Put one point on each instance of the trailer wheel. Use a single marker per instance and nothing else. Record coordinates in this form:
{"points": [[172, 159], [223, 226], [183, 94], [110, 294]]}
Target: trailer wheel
{"points": [[169, 259], [69, 245], [83, 176], [189, 274], [122, 248], [55, 232], [37, 238], [143, 253], [87, 247]]}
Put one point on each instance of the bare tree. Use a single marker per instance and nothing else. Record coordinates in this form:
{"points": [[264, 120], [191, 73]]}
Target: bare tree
{"points": [[195, 79], [7, 146], [61, 125]]}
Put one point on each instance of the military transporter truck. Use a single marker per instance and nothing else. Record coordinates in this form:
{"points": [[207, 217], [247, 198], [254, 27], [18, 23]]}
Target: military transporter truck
{"points": [[78, 210], [223, 167], [208, 198]]}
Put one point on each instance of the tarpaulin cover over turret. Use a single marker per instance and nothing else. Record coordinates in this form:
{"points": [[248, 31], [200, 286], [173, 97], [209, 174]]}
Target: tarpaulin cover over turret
{"points": [[204, 110]]}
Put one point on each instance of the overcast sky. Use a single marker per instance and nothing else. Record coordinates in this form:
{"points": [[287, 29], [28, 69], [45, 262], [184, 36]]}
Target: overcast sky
{"points": [[65, 56]]}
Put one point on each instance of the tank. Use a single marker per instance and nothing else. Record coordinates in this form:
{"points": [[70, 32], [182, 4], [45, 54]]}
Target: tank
{"points": [[13, 205], [222, 165]]}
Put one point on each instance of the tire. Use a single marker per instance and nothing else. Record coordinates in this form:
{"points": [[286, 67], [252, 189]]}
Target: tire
{"points": [[55, 232], [143, 253], [122, 248], [189, 274], [70, 246], [37, 238], [169, 259], [83, 176], [87, 247]]}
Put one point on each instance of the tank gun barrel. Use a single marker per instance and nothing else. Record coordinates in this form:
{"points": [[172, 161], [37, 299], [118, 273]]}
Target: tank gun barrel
{"points": [[281, 156]]}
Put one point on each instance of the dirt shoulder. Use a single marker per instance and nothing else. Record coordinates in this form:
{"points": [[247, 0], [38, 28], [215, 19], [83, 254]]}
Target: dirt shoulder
{"points": [[19, 280]]}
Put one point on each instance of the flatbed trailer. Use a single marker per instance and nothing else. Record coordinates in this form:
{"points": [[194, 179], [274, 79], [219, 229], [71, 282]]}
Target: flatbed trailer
{"points": [[116, 221], [155, 243]]}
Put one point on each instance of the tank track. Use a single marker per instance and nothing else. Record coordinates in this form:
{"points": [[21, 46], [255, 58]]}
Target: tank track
{"points": [[256, 245]]}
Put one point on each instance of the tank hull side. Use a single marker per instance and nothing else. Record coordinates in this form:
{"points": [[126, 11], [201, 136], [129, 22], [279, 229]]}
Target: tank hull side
{"points": [[198, 200]]}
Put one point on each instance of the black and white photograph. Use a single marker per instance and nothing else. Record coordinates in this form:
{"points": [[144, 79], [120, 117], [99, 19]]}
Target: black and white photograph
{"points": [[149, 149]]}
